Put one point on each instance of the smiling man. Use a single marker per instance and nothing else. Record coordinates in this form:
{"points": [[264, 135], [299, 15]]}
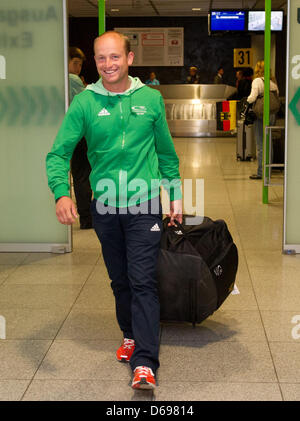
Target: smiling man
{"points": [[129, 144], [113, 57]]}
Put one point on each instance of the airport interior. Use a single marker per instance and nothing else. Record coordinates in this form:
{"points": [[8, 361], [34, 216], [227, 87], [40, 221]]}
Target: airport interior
{"points": [[58, 327]]}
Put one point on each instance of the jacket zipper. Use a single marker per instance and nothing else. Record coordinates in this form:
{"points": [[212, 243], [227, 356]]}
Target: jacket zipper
{"points": [[122, 118], [123, 135]]}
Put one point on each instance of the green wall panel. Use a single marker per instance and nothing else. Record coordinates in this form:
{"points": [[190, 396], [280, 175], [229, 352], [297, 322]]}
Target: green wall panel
{"points": [[292, 173], [32, 106]]}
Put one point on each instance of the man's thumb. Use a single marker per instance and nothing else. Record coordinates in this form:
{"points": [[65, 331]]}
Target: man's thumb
{"points": [[74, 211]]}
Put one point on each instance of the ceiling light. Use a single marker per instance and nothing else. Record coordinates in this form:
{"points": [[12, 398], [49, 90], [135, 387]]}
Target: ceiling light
{"points": [[114, 10], [196, 8]]}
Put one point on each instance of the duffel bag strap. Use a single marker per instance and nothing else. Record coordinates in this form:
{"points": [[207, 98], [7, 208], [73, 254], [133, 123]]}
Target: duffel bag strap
{"points": [[174, 228]]}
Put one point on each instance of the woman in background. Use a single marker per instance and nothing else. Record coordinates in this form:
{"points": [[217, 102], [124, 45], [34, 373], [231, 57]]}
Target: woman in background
{"points": [[257, 89]]}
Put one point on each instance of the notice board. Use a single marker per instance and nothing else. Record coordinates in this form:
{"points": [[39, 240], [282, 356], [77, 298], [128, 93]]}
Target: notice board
{"points": [[156, 46]]}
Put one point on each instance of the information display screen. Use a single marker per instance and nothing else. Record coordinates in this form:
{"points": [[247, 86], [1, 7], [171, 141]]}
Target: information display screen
{"points": [[256, 20], [221, 20]]}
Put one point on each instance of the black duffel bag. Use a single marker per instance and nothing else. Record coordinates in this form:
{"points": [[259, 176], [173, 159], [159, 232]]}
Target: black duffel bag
{"points": [[196, 270]]}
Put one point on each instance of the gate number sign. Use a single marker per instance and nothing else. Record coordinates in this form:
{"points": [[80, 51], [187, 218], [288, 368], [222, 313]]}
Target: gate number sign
{"points": [[242, 57]]}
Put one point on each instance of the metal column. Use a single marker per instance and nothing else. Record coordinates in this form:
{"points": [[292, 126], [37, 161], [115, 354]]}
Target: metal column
{"points": [[266, 138], [101, 16]]}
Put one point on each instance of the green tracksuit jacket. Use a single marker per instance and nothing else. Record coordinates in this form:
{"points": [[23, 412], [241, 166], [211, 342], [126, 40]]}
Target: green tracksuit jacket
{"points": [[129, 145]]}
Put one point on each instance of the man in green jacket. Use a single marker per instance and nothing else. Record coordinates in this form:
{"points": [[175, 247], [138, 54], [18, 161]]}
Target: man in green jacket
{"points": [[131, 153]]}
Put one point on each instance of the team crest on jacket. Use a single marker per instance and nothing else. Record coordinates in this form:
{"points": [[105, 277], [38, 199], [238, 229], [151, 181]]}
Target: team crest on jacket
{"points": [[139, 109]]}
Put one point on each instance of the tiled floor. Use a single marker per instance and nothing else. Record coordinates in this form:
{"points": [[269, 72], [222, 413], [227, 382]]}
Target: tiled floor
{"points": [[61, 332]]}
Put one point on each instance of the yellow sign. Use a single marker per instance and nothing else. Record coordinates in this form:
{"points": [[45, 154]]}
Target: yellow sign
{"points": [[242, 57]]}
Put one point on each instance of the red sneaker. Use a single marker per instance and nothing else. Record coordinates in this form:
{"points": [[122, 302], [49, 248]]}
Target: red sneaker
{"points": [[126, 350], [143, 378]]}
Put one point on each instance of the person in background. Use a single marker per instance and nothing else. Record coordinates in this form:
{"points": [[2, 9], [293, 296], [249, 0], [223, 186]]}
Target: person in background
{"points": [[239, 76], [257, 89], [219, 76], [244, 86], [80, 166], [76, 84], [152, 79], [235, 95], [83, 80], [193, 76]]}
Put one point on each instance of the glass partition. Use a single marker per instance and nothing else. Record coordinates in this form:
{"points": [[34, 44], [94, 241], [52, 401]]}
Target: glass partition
{"points": [[292, 152], [33, 101]]}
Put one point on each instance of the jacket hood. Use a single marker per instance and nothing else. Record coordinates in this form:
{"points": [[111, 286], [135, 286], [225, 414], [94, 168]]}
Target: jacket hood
{"points": [[98, 87]]}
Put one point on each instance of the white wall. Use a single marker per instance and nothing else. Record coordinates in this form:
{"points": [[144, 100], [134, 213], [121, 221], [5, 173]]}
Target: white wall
{"points": [[258, 46]]}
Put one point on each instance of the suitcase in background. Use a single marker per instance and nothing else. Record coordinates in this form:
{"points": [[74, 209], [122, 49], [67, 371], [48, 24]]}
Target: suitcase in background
{"points": [[245, 142]]}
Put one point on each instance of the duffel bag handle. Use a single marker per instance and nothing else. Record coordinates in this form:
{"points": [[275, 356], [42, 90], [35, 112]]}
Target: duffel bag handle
{"points": [[176, 238], [174, 227], [169, 239]]}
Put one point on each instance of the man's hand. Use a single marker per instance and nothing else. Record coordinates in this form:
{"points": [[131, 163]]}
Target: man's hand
{"points": [[175, 212], [66, 210]]}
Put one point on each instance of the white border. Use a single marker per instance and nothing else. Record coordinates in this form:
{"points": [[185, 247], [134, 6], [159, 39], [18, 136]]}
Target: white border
{"points": [[35, 247], [69, 245], [292, 247], [285, 245]]}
